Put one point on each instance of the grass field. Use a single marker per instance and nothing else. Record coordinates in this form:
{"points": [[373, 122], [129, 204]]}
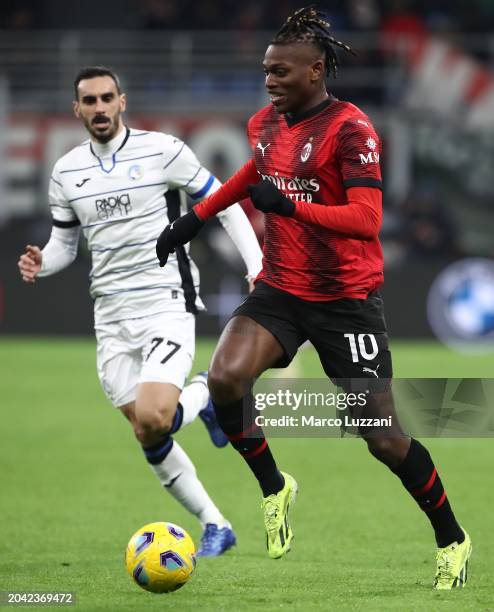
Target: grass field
{"points": [[74, 487]]}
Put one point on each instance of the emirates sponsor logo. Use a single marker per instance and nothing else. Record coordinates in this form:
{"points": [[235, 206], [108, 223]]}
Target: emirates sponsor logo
{"points": [[298, 189]]}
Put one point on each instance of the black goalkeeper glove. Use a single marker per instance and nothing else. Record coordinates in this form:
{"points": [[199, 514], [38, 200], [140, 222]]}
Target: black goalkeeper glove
{"points": [[267, 197], [181, 231]]}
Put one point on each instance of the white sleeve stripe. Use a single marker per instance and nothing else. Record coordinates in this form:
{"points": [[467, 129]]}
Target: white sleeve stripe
{"points": [[190, 180], [175, 157]]}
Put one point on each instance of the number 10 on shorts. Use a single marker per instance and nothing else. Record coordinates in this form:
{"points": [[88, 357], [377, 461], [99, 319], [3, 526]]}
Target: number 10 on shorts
{"points": [[359, 343]]}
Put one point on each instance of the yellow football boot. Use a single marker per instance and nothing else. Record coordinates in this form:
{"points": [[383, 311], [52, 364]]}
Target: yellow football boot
{"points": [[452, 565], [276, 507]]}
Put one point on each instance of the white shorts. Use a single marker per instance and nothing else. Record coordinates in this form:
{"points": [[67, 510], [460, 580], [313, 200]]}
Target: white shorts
{"points": [[159, 348]]}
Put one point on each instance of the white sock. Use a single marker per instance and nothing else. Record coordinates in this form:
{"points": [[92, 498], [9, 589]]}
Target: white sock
{"points": [[194, 398], [178, 475]]}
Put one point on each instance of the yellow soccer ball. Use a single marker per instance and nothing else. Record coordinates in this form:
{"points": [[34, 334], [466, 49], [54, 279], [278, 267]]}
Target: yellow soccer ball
{"points": [[160, 557]]}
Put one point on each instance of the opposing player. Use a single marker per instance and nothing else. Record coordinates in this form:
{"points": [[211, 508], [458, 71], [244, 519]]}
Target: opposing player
{"points": [[316, 175], [118, 187]]}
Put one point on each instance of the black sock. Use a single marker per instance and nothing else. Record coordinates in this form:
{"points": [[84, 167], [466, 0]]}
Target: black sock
{"points": [[177, 419], [420, 478], [237, 421], [156, 454]]}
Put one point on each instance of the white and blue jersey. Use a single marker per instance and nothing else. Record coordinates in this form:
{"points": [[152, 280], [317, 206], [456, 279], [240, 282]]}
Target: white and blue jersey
{"points": [[123, 194]]}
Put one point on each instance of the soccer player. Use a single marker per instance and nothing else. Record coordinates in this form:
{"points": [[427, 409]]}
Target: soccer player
{"points": [[118, 187], [315, 174]]}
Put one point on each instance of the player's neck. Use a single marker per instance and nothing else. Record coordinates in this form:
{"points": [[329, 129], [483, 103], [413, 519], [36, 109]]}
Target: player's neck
{"points": [[107, 148], [316, 105], [315, 100]]}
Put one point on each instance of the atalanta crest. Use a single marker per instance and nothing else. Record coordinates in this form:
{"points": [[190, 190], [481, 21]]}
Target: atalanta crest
{"points": [[136, 172]]}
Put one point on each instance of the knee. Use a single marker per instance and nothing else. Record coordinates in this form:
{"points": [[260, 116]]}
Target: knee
{"points": [[152, 422], [228, 382], [390, 451]]}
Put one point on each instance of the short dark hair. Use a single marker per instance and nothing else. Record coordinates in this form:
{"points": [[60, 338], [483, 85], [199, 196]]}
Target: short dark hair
{"points": [[90, 72], [308, 25]]}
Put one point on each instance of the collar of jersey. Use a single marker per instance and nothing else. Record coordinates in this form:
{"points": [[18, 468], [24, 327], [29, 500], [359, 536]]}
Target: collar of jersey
{"points": [[292, 119], [103, 151]]}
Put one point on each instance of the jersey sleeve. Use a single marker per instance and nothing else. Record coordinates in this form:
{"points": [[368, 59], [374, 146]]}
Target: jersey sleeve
{"points": [[252, 132], [184, 171], [358, 152], [62, 212]]}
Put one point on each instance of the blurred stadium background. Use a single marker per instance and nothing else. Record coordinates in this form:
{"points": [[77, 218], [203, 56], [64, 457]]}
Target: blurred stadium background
{"points": [[423, 73]]}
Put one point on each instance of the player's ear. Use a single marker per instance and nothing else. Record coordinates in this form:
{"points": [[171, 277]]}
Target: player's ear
{"points": [[123, 102], [76, 108], [317, 70]]}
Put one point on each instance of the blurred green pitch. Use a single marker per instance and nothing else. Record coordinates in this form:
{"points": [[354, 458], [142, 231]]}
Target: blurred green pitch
{"points": [[74, 487]]}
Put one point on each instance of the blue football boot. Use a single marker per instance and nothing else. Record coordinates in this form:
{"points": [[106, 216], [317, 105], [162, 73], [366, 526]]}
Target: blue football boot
{"points": [[208, 416], [215, 540]]}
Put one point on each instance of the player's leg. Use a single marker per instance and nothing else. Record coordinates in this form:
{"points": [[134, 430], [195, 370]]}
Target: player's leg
{"points": [[167, 359], [193, 393], [254, 340], [177, 474], [358, 359], [245, 350], [167, 353], [164, 407], [415, 468], [120, 369]]}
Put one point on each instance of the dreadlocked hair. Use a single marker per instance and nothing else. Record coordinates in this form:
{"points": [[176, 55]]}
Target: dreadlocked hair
{"points": [[311, 26]]}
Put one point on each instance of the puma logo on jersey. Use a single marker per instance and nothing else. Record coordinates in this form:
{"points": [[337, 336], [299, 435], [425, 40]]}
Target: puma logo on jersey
{"points": [[259, 146], [83, 182], [371, 371]]}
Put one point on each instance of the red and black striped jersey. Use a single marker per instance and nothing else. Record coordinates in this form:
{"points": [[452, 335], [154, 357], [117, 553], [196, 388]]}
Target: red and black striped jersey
{"points": [[317, 158]]}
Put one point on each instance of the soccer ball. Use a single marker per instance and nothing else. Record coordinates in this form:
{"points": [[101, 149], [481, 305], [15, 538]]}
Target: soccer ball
{"points": [[160, 557]]}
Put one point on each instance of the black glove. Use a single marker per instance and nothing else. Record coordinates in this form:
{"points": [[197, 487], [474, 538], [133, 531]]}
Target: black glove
{"points": [[268, 198], [181, 231]]}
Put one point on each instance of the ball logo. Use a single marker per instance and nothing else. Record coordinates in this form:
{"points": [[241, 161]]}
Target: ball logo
{"points": [[460, 305], [136, 172], [306, 151]]}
